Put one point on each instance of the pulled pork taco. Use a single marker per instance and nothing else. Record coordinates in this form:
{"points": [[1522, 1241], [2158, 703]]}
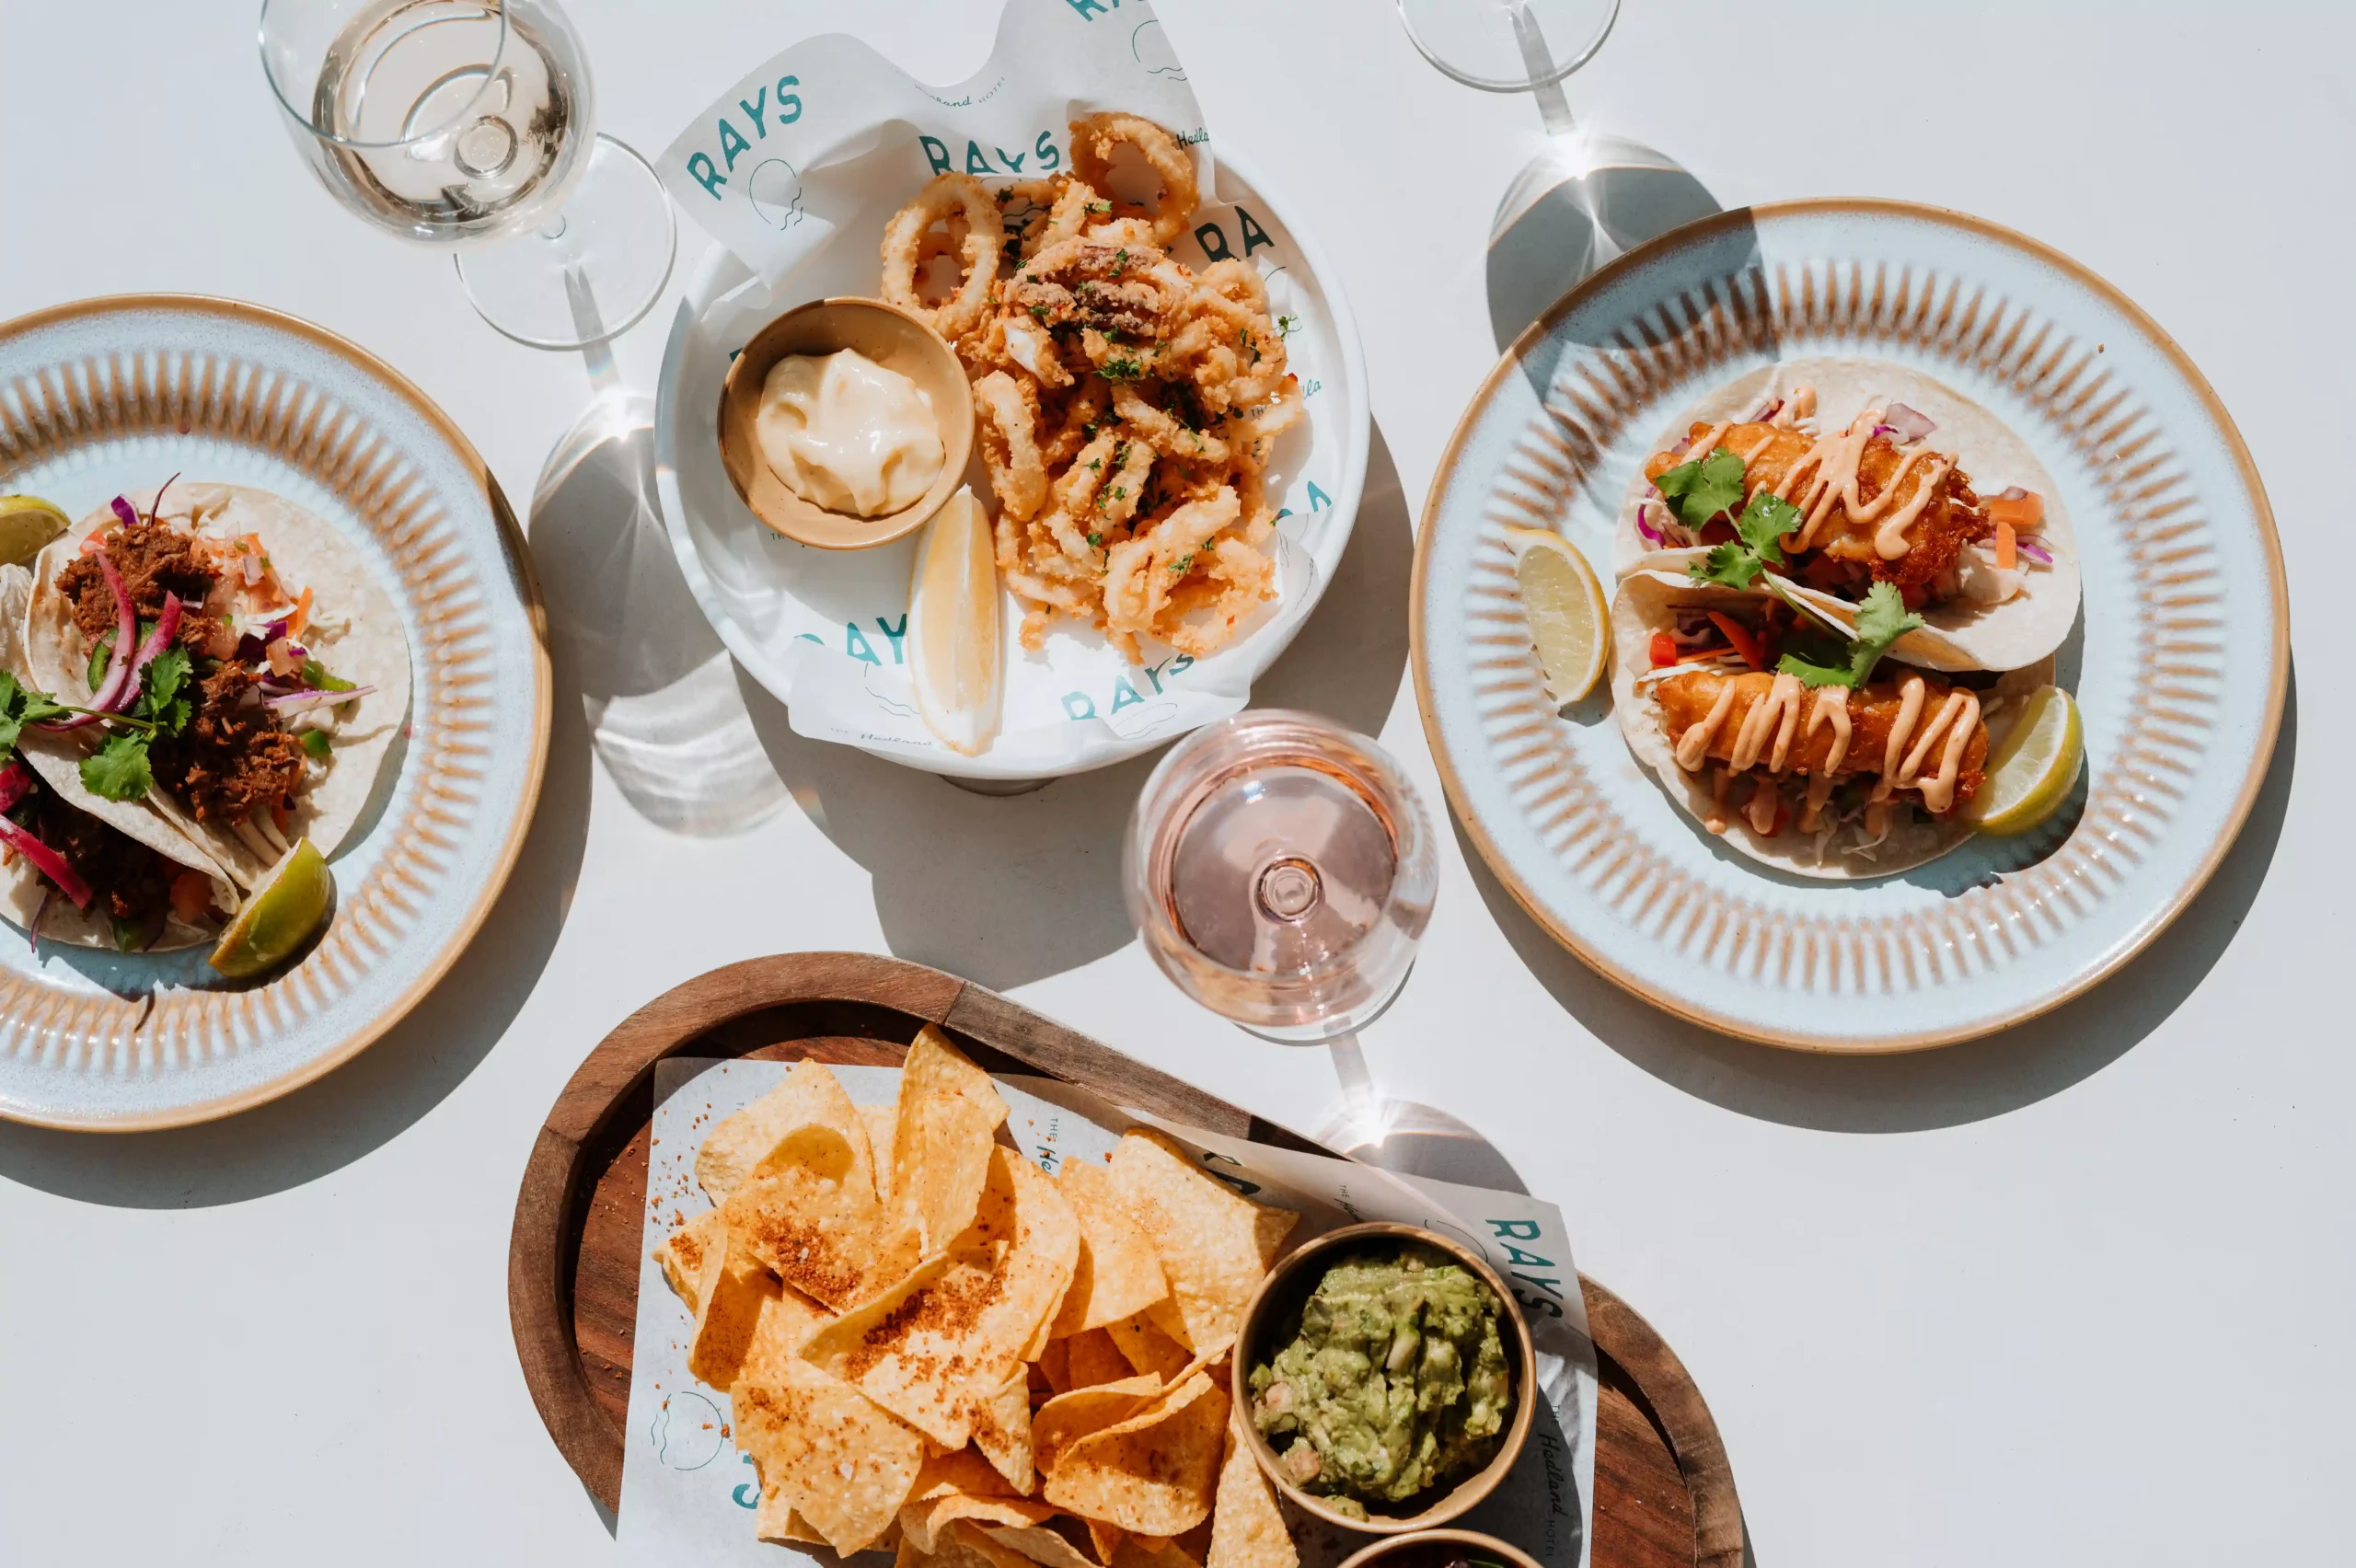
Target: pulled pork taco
{"points": [[75, 868], [1803, 749], [266, 675], [1836, 475]]}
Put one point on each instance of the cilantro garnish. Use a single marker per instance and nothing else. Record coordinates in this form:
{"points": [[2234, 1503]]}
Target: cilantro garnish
{"points": [[1737, 564], [1701, 490], [1819, 659], [20, 706], [119, 770]]}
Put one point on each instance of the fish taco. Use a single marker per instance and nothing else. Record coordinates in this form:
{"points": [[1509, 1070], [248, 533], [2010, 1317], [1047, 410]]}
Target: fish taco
{"points": [[1806, 750], [1835, 475], [76, 868], [267, 676]]}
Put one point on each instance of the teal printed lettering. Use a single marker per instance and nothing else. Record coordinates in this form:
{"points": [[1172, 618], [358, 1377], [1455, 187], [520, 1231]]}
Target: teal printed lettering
{"points": [[1527, 1260], [1180, 664], [755, 109], [1283, 513], [1539, 1304], [936, 153], [1239, 1184], [1079, 705], [1153, 674], [731, 142], [1014, 161], [1520, 1229], [1047, 152], [1213, 242], [1318, 499], [974, 162], [855, 644], [896, 634], [1254, 236], [1048, 1158], [1090, 9], [1548, 1286], [789, 105], [812, 637], [1124, 695], [749, 1494], [706, 173]]}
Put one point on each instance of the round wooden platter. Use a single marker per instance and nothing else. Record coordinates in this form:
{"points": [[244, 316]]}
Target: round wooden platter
{"points": [[1664, 1493]]}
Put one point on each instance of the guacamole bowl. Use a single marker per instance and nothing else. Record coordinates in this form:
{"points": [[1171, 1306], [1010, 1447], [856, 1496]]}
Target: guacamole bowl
{"points": [[1313, 1341]]}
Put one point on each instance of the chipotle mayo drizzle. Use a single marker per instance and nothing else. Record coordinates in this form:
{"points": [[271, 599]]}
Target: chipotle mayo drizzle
{"points": [[1831, 467]]}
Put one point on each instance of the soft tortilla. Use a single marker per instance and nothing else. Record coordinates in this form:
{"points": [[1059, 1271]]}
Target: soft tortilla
{"points": [[355, 632], [2015, 634], [1644, 604]]}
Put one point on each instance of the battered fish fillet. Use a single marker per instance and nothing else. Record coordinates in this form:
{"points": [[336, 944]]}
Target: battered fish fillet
{"points": [[1686, 699], [1842, 560]]}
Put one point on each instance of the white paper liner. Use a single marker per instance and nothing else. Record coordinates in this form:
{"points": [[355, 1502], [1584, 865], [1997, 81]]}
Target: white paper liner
{"points": [[801, 203], [688, 1493]]}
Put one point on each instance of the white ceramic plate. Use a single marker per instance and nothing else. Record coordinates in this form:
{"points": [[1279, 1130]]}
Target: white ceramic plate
{"points": [[113, 394], [2179, 661], [766, 595]]}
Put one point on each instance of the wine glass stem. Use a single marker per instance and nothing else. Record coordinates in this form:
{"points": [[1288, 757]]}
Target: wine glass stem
{"points": [[1554, 105], [1359, 1096]]}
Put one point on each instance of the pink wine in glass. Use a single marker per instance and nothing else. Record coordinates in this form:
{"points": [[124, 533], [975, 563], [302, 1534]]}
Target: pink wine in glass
{"points": [[1281, 871]]}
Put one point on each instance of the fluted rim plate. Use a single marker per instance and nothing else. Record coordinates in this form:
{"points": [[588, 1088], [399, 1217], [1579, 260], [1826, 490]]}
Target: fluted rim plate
{"points": [[111, 395], [2179, 661]]}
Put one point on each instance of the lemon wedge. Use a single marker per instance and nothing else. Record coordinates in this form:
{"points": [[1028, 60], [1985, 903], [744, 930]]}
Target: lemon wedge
{"points": [[280, 916], [1564, 606], [27, 523], [2034, 768], [954, 646]]}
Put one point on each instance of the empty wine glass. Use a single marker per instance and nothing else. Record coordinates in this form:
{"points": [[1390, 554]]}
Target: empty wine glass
{"points": [[469, 123], [1585, 197]]}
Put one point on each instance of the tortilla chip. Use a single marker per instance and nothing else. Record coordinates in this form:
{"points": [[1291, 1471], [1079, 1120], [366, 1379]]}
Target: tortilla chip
{"points": [[1214, 1244], [810, 1096], [691, 1252], [1044, 1543], [1054, 1366], [948, 1335], [965, 1470], [1002, 1431], [953, 1551], [736, 1290], [1151, 1551], [1105, 1537], [786, 1320], [879, 1120], [1152, 1474], [1093, 1357], [1165, 1315], [1148, 1349], [1067, 1418], [926, 1522], [1118, 1274], [776, 1520], [948, 1114], [830, 1453], [1246, 1529], [809, 1212]]}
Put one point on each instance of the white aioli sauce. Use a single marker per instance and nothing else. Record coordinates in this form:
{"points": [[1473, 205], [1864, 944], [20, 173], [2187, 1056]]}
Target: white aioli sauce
{"points": [[848, 435]]}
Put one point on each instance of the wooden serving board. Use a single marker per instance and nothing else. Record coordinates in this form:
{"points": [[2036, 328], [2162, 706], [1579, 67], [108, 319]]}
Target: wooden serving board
{"points": [[1664, 1493]]}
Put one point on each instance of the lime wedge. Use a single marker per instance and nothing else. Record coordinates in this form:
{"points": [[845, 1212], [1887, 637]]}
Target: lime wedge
{"points": [[954, 645], [280, 916], [27, 523], [2034, 768], [1564, 606]]}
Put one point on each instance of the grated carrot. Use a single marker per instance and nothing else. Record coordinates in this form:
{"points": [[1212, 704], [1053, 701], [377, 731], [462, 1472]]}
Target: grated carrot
{"points": [[2007, 547], [302, 615], [2025, 514]]}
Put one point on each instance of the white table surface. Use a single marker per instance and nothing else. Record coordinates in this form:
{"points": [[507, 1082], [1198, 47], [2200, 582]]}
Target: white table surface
{"points": [[2080, 1293]]}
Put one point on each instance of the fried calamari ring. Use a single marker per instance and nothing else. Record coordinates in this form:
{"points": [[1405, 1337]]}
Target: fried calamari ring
{"points": [[943, 199], [1141, 572], [1092, 141], [1164, 432], [1008, 423]]}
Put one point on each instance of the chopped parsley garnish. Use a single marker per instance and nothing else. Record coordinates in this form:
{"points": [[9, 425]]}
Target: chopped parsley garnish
{"points": [[1737, 564], [1183, 562], [1704, 488], [1821, 659], [1095, 541], [1286, 325], [1125, 368]]}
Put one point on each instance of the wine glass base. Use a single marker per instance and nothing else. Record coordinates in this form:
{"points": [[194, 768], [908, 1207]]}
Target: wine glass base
{"points": [[592, 271]]}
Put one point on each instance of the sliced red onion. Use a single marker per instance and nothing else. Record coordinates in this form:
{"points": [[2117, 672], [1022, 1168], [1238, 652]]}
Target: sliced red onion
{"points": [[1766, 411], [1884, 429], [32, 932], [1643, 523], [1681, 447], [124, 510], [2014, 493], [167, 625], [274, 631], [47, 861], [294, 700], [116, 687], [15, 783], [2032, 549], [251, 567], [1908, 424]]}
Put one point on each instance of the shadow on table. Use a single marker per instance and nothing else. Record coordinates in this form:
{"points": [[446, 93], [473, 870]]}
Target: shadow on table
{"points": [[375, 1096], [1005, 890], [1921, 1089]]}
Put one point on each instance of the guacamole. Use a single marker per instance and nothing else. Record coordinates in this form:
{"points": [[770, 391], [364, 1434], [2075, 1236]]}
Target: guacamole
{"points": [[1396, 1383]]}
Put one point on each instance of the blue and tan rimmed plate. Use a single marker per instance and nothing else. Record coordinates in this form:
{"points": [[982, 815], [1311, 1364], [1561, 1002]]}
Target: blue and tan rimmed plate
{"points": [[2180, 660], [114, 395]]}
